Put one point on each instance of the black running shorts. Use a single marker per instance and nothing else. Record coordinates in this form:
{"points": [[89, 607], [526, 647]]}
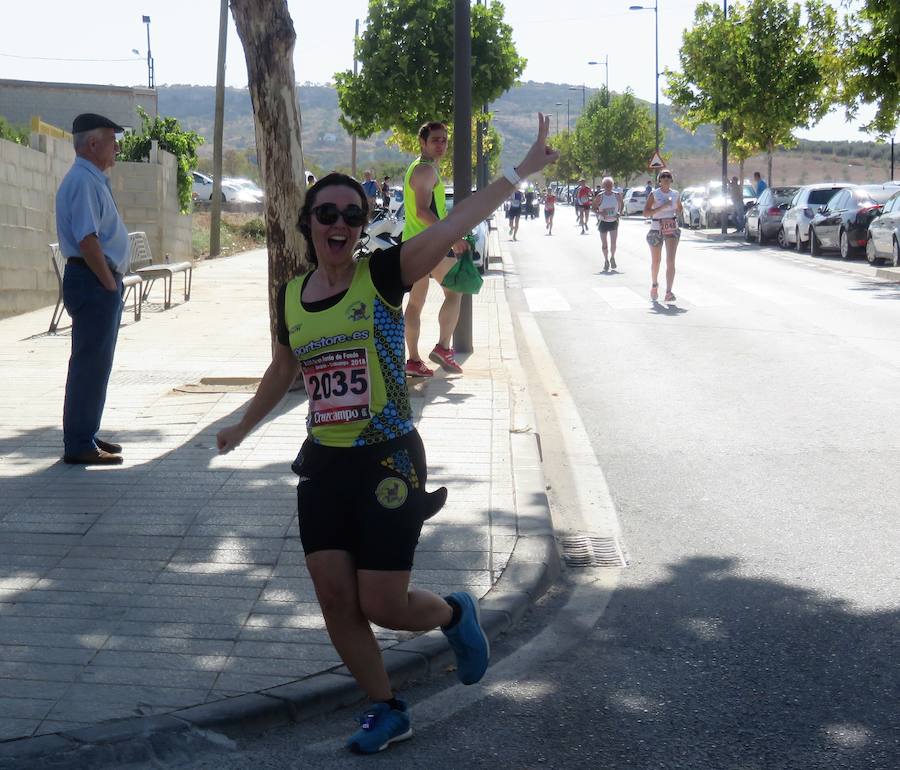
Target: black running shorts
{"points": [[608, 227], [369, 501]]}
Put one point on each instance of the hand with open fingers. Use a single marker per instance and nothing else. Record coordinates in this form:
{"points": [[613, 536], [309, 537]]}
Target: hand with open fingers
{"points": [[230, 438], [540, 154]]}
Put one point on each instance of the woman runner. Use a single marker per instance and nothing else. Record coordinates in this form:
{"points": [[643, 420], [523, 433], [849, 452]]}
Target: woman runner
{"points": [[549, 210], [361, 495], [609, 206], [663, 205]]}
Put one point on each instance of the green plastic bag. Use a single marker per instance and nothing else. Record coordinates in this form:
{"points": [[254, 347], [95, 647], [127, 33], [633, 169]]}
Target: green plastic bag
{"points": [[464, 276]]}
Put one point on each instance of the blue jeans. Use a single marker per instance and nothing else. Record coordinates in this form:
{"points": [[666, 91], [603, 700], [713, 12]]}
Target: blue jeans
{"points": [[739, 217], [95, 313]]}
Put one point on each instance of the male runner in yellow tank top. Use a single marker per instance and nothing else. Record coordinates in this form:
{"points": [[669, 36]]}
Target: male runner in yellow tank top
{"points": [[423, 199]]}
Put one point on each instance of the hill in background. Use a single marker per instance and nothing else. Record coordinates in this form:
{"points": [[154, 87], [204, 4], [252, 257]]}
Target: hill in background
{"points": [[694, 157]]}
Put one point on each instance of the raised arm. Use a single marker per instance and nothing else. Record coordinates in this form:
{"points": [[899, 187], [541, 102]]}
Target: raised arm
{"points": [[420, 255]]}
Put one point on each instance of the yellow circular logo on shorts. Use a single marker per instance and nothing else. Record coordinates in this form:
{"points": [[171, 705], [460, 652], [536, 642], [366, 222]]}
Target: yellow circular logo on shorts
{"points": [[391, 492]]}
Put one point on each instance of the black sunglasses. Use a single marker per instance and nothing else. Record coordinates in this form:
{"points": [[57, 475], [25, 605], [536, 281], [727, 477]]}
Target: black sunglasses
{"points": [[328, 213], [665, 176]]}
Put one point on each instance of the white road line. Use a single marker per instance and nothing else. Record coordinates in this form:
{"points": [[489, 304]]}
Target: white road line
{"points": [[698, 297], [546, 301], [772, 294], [621, 297]]}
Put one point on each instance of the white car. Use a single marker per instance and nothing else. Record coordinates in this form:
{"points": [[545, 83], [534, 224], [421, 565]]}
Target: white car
{"points": [[203, 187], [794, 232], [246, 185], [635, 200]]}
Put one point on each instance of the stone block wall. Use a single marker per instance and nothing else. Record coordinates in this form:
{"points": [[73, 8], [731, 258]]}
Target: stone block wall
{"points": [[29, 178], [146, 193]]}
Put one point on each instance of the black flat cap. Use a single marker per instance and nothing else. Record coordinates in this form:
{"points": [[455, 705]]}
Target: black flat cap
{"points": [[88, 121]]}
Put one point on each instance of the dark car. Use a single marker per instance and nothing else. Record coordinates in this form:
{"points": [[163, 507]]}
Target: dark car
{"points": [[764, 217], [842, 224], [883, 240]]}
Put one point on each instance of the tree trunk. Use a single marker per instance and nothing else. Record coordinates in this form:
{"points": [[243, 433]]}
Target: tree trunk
{"points": [[741, 171], [771, 149], [267, 34]]}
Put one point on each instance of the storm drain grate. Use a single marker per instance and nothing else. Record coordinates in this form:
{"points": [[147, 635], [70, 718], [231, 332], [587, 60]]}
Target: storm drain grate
{"points": [[588, 551]]}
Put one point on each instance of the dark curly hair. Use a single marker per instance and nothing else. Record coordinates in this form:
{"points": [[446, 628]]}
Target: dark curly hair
{"points": [[331, 180]]}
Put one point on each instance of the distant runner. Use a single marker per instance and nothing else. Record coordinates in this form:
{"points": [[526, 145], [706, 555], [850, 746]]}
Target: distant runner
{"points": [[662, 207], [609, 206], [583, 196], [549, 209]]}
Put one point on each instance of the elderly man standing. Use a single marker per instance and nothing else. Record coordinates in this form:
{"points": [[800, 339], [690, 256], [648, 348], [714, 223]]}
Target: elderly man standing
{"points": [[93, 238]]}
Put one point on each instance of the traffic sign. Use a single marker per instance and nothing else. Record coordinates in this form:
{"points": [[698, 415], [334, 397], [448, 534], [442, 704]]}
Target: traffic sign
{"points": [[656, 161]]}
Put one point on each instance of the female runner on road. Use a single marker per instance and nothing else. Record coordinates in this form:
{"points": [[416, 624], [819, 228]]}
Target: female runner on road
{"points": [[549, 211], [361, 495], [609, 205], [663, 205]]}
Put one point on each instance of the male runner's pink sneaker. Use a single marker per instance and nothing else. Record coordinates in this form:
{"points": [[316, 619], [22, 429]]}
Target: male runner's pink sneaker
{"points": [[444, 357], [418, 369]]}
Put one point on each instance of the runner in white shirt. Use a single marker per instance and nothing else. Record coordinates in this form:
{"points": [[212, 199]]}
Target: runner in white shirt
{"points": [[609, 206], [662, 207]]}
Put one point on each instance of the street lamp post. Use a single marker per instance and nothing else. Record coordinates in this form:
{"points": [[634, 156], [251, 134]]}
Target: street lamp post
{"points": [[605, 63], [559, 104], [655, 10], [150, 75], [579, 88]]}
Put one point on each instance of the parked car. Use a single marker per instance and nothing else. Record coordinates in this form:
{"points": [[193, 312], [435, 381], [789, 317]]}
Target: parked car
{"points": [[202, 188], [247, 185], [714, 205], [843, 222], [763, 220], [685, 218], [635, 200], [795, 222], [883, 238]]}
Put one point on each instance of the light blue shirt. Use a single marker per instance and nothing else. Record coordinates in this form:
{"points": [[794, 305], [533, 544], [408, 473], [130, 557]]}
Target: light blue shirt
{"points": [[85, 205]]}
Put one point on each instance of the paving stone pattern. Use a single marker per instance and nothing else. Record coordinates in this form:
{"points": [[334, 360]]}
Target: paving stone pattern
{"points": [[178, 578]]}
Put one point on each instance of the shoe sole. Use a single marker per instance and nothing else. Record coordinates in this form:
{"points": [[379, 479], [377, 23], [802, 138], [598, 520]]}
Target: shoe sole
{"points": [[357, 749], [446, 367]]}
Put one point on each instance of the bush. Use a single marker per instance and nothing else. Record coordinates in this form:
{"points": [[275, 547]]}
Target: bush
{"points": [[254, 228], [182, 144], [13, 133]]}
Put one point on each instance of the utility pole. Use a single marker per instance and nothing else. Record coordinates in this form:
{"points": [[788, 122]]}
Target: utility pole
{"points": [[215, 218], [462, 142], [353, 138]]}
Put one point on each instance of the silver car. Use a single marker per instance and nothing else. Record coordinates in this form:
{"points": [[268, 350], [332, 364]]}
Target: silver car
{"points": [[803, 207], [764, 217], [883, 241]]}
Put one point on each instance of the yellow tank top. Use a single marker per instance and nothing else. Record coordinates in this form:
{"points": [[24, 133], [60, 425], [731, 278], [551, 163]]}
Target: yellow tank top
{"points": [[352, 356], [413, 225]]}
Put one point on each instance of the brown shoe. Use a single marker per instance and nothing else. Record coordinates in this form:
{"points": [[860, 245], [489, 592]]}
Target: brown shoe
{"points": [[108, 446], [97, 457]]}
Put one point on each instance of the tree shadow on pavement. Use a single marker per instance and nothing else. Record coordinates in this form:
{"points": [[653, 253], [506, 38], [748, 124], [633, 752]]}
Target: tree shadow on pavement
{"points": [[709, 668]]}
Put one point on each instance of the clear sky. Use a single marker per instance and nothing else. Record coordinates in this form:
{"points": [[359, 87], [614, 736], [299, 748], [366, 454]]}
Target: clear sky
{"points": [[50, 40]]}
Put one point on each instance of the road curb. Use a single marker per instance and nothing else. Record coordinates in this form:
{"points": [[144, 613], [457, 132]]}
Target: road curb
{"points": [[532, 568]]}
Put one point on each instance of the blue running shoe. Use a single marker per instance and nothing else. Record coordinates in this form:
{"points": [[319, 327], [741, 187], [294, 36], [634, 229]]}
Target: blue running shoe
{"points": [[380, 726], [468, 640]]}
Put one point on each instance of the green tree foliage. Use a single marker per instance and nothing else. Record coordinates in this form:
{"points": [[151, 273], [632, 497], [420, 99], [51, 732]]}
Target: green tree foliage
{"points": [[761, 73], [406, 52], [168, 132], [872, 62], [568, 167], [614, 135], [13, 133]]}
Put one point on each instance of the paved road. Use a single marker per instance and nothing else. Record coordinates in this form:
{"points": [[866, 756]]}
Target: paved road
{"points": [[747, 436]]}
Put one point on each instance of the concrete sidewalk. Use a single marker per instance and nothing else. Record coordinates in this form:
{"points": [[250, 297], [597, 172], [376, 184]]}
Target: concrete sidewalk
{"points": [[171, 592]]}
